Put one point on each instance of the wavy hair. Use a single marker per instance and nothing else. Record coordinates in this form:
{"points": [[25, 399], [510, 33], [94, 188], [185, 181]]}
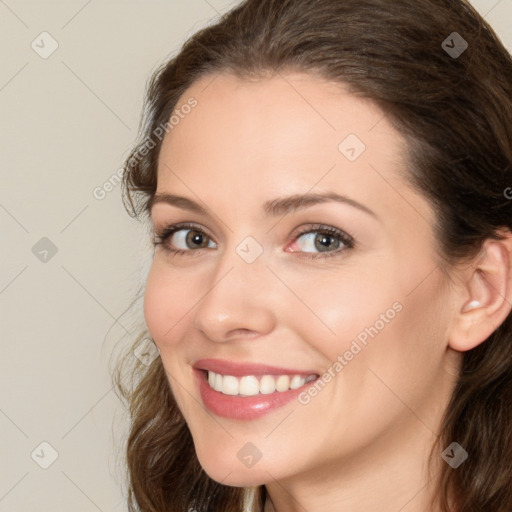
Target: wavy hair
{"points": [[455, 112]]}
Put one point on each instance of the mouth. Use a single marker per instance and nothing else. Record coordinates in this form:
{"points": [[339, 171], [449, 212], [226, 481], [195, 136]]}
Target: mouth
{"points": [[247, 391], [251, 385]]}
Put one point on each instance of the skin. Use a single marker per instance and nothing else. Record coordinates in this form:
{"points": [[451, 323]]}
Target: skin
{"points": [[362, 443]]}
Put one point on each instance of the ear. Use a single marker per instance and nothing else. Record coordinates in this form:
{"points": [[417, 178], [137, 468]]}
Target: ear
{"points": [[485, 299]]}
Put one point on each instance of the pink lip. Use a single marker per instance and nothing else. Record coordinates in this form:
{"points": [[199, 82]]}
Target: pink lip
{"points": [[240, 407], [226, 367]]}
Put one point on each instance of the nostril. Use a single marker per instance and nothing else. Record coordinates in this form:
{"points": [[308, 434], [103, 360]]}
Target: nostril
{"points": [[241, 332]]}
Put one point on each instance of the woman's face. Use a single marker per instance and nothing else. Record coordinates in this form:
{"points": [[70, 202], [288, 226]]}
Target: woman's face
{"points": [[261, 282]]}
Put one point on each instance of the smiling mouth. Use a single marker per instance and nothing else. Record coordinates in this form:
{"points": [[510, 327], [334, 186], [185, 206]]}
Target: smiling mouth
{"points": [[252, 385]]}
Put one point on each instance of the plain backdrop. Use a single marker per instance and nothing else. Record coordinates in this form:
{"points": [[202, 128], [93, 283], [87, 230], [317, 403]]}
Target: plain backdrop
{"points": [[71, 258]]}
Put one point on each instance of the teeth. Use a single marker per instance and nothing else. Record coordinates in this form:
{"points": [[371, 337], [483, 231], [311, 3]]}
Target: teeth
{"points": [[218, 384], [249, 385], [229, 385], [267, 385], [283, 383], [297, 381]]}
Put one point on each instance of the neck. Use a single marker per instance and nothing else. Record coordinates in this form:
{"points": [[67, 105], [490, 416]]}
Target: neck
{"points": [[384, 480]]}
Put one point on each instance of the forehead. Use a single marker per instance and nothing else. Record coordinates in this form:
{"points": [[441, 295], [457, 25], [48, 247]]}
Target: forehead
{"points": [[253, 139], [270, 112]]}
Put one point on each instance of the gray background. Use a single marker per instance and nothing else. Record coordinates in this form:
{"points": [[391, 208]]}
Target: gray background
{"points": [[68, 121]]}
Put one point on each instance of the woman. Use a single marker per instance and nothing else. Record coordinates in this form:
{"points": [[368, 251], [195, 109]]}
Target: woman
{"points": [[331, 287]]}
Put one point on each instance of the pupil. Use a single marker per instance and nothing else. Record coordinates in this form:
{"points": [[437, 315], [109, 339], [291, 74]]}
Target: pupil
{"points": [[324, 241], [195, 237]]}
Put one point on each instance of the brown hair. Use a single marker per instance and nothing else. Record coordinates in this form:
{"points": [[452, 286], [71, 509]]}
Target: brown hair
{"points": [[456, 114]]}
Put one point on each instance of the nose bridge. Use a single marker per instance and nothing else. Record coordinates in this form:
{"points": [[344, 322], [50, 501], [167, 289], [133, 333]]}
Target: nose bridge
{"points": [[236, 296]]}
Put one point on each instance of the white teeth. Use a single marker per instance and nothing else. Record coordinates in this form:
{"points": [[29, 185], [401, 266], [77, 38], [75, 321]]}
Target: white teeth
{"points": [[218, 382], [283, 383], [267, 385], [230, 385], [249, 385], [297, 381]]}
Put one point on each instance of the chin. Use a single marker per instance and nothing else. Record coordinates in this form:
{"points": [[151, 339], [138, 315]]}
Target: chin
{"points": [[228, 467], [235, 477]]}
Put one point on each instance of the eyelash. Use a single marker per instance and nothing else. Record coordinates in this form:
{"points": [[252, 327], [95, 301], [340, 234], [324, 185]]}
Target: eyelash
{"points": [[345, 238]]}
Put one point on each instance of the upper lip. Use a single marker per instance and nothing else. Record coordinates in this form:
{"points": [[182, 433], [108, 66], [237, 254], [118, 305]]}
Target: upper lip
{"points": [[226, 367]]}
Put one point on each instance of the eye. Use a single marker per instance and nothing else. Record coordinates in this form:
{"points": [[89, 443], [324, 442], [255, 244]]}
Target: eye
{"points": [[326, 240], [186, 237]]}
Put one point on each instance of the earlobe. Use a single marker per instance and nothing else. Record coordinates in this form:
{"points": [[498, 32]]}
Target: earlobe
{"points": [[488, 283], [471, 305]]}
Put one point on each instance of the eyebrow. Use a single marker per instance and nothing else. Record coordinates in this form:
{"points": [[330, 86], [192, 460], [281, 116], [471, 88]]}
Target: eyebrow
{"points": [[273, 208]]}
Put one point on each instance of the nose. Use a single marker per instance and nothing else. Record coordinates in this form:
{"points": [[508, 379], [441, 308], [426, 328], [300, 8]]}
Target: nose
{"points": [[237, 300]]}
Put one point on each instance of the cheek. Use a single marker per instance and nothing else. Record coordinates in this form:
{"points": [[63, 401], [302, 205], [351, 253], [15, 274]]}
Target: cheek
{"points": [[343, 308], [375, 321], [162, 309]]}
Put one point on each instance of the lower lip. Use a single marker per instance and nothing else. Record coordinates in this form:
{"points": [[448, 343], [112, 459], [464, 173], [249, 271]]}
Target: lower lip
{"points": [[243, 407]]}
